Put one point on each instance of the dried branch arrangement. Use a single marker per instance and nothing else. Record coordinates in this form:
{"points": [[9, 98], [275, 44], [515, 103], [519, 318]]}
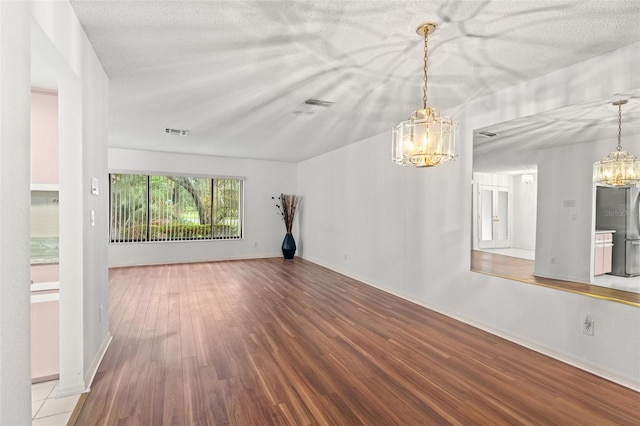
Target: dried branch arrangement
{"points": [[286, 205]]}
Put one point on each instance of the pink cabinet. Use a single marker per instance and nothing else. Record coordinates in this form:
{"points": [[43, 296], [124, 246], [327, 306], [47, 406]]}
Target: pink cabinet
{"points": [[45, 335], [602, 252], [45, 330], [44, 137]]}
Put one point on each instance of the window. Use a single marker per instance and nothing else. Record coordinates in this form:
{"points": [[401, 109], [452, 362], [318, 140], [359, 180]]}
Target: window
{"points": [[174, 208], [44, 225]]}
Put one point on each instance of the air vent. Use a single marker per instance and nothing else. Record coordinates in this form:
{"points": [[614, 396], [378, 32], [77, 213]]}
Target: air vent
{"points": [[488, 134], [318, 102], [176, 132]]}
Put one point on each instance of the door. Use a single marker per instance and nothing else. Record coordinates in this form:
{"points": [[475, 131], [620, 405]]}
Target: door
{"points": [[494, 209]]}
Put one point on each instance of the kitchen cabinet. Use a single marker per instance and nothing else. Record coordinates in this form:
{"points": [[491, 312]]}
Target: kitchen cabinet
{"points": [[44, 137], [602, 252], [45, 332]]}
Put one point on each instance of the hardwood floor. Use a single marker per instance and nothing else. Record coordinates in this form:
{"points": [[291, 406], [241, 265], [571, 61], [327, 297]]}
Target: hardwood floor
{"points": [[269, 341], [522, 270]]}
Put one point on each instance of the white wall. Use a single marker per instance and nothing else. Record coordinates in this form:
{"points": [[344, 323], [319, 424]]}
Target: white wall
{"points": [[263, 228], [51, 32], [15, 364], [524, 212], [566, 224], [565, 212], [407, 231], [59, 41]]}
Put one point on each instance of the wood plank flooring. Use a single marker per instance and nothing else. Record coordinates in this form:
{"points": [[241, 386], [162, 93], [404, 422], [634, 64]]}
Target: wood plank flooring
{"points": [[522, 270], [274, 342]]}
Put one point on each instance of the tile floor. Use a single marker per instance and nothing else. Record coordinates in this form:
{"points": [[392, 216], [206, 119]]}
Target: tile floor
{"points": [[47, 409], [631, 284]]}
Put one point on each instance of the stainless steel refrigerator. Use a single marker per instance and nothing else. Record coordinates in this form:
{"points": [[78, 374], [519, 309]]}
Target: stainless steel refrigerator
{"points": [[618, 209]]}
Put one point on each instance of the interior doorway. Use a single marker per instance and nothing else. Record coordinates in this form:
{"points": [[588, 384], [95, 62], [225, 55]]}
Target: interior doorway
{"points": [[504, 214], [45, 281], [494, 222]]}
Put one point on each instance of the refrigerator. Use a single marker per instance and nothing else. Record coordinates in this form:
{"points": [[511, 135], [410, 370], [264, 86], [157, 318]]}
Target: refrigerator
{"points": [[618, 209]]}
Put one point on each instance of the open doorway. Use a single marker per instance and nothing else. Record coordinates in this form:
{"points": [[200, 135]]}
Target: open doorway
{"points": [[46, 307], [504, 213], [45, 282], [494, 216]]}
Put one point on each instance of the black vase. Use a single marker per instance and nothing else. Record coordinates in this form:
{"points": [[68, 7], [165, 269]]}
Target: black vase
{"points": [[288, 246]]}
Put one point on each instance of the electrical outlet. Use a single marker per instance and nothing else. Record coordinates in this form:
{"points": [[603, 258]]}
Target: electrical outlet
{"points": [[100, 314], [587, 324]]}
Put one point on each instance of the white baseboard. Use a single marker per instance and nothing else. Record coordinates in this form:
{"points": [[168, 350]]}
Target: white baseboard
{"points": [[85, 385], [182, 261], [561, 278], [75, 389], [581, 364], [93, 368]]}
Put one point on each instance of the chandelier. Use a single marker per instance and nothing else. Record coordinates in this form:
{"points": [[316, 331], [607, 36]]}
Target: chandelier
{"points": [[619, 168], [426, 138]]}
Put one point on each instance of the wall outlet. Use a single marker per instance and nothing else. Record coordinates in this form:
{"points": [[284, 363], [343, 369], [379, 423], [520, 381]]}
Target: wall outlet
{"points": [[587, 324], [100, 314]]}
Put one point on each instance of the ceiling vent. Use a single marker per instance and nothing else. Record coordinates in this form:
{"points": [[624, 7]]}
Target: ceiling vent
{"points": [[176, 132], [488, 134], [318, 102]]}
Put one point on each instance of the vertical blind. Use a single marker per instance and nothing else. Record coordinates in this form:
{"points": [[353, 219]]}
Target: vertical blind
{"points": [[174, 208]]}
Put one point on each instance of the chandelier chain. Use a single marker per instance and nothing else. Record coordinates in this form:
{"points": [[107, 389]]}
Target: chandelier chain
{"points": [[425, 67], [619, 147]]}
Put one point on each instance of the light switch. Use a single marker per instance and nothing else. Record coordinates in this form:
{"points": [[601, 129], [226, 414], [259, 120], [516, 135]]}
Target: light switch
{"points": [[94, 186]]}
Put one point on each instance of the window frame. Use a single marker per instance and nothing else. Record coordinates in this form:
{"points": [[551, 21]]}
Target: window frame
{"points": [[147, 214]]}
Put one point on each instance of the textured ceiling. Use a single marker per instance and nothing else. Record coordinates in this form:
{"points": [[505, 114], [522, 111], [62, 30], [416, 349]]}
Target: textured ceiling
{"points": [[515, 146], [237, 73]]}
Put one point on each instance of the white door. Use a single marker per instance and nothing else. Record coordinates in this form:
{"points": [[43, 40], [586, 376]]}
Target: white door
{"points": [[494, 209]]}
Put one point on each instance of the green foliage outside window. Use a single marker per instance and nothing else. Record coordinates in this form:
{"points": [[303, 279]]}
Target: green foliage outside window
{"points": [[173, 208]]}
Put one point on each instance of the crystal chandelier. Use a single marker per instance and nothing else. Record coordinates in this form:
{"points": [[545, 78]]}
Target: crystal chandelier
{"points": [[619, 168], [426, 138]]}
